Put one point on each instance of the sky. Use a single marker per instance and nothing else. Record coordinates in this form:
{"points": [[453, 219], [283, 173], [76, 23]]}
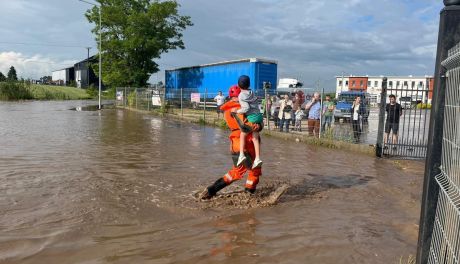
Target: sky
{"points": [[310, 39]]}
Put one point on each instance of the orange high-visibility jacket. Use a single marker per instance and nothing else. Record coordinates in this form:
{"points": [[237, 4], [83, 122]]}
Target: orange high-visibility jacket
{"points": [[233, 125]]}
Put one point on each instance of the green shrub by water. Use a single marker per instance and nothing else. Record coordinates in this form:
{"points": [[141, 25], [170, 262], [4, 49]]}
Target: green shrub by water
{"points": [[15, 91], [11, 91]]}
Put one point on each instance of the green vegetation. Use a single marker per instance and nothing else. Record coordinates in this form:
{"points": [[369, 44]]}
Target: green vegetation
{"points": [[423, 106], [25, 91], [134, 33], [14, 91], [48, 92]]}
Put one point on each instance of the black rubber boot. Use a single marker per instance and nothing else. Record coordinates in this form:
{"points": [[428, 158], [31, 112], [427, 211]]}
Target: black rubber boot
{"points": [[217, 186], [251, 191]]}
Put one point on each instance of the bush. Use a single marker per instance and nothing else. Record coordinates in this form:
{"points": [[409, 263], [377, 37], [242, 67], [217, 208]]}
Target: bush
{"points": [[423, 106], [15, 91], [92, 91], [132, 99]]}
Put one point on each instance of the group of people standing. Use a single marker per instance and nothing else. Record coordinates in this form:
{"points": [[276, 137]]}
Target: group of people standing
{"points": [[286, 112]]}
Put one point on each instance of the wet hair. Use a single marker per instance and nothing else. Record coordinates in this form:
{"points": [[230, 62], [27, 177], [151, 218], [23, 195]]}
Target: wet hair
{"points": [[392, 96]]}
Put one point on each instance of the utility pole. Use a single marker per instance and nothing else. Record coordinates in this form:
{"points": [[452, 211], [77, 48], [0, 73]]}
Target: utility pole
{"points": [[100, 46], [100, 55], [87, 68]]}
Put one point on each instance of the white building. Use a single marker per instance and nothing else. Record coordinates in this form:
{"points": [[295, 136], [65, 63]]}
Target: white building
{"points": [[63, 76], [407, 89]]}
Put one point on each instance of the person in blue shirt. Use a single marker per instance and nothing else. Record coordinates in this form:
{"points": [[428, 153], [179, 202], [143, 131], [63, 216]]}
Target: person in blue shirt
{"points": [[314, 115]]}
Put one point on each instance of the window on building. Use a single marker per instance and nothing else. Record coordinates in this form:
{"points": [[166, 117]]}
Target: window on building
{"points": [[369, 83], [420, 85], [346, 83], [353, 83], [390, 84], [397, 84], [340, 83], [376, 83], [405, 84], [413, 85], [361, 83]]}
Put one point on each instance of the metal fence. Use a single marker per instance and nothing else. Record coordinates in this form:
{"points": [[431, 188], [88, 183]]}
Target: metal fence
{"points": [[445, 242], [405, 125], [190, 103]]}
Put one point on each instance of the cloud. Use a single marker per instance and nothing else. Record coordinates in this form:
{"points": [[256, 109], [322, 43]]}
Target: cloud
{"points": [[314, 39], [34, 66], [309, 38]]}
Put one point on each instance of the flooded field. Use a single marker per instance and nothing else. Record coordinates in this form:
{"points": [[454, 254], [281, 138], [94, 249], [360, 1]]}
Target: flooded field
{"points": [[117, 187]]}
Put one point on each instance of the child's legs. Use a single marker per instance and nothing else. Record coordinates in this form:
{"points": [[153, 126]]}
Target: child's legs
{"points": [[255, 140], [242, 142]]}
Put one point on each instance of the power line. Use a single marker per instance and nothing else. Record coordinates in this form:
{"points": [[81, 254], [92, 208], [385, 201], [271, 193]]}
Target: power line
{"points": [[43, 44]]}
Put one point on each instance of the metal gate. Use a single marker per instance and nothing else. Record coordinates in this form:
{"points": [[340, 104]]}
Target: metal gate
{"points": [[404, 126]]}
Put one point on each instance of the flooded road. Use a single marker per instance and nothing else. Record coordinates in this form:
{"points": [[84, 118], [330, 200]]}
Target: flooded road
{"points": [[116, 187]]}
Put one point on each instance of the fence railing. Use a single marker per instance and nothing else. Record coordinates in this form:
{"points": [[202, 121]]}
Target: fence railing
{"points": [[190, 103], [445, 242]]}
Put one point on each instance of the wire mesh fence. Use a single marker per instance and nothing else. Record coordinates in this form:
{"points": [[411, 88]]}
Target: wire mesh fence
{"points": [[445, 240]]}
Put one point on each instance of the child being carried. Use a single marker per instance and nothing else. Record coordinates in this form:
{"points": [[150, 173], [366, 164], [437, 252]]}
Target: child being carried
{"points": [[250, 108]]}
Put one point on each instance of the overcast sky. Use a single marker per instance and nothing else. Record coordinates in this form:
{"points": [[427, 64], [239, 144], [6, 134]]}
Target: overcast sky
{"points": [[311, 40]]}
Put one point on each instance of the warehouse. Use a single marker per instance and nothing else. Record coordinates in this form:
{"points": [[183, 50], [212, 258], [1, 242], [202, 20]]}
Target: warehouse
{"points": [[63, 76], [209, 79]]}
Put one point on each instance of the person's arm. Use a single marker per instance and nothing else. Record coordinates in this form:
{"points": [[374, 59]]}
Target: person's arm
{"points": [[309, 105], [400, 110]]}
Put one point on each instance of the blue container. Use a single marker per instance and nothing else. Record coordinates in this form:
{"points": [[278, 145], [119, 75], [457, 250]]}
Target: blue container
{"points": [[212, 78]]}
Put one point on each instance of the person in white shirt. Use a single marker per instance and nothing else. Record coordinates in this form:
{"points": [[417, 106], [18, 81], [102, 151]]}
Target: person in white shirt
{"points": [[220, 100], [357, 112]]}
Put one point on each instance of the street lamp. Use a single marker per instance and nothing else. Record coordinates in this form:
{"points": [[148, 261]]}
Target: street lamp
{"points": [[100, 48]]}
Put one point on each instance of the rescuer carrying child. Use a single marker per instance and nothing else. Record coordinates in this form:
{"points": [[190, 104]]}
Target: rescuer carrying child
{"points": [[236, 124], [252, 115]]}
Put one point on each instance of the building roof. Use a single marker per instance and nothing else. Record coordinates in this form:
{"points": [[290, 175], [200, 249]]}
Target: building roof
{"points": [[381, 76], [228, 62], [63, 69]]}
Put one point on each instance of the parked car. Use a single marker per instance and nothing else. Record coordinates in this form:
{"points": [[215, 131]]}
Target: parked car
{"points": [[345, 101], [405, 102]]}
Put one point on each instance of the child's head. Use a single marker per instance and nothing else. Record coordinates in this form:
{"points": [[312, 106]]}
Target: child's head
{"points": [[244, 82]]}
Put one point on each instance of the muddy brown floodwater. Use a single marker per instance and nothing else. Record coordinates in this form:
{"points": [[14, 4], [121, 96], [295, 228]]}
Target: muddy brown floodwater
{"points": [[117, 187]]}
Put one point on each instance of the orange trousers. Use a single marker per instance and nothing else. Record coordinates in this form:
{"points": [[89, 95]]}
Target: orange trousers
{"points": [[237, 173]]}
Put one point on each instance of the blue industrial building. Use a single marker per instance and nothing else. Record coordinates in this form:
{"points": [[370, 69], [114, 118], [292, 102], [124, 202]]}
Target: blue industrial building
{"points": [[212, 78]]}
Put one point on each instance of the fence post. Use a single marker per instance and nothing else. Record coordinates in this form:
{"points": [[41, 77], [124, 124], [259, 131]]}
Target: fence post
{"points": [[204, 108], [125, 97], [181, 102], [380, 131], [148, 100], [321, 114], [266, 108], [135, 91], [448, 37]]}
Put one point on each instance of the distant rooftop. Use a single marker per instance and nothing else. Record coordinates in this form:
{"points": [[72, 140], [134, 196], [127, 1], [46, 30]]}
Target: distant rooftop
{"points": [[381, 76], [228, 62]]}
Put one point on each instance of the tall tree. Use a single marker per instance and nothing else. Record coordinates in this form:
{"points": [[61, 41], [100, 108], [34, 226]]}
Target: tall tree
{"points": [[12, 75], [2, 77], [134, 33]]}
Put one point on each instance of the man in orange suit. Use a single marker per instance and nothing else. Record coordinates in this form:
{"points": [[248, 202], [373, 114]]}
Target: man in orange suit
{"points": [[237, 123]]}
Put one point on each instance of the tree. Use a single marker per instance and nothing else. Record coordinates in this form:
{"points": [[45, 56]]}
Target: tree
{"points": [[2, 77], [134, 33], [12, 76], [46, 79]]}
